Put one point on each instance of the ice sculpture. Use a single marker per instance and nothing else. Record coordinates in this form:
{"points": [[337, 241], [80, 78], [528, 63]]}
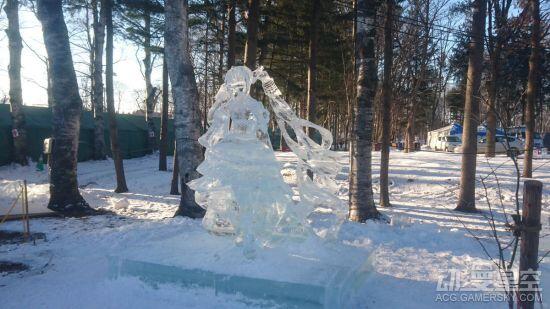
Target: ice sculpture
{"points": [[242, 188]]}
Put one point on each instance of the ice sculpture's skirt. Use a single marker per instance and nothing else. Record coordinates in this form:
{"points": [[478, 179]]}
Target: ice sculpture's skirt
{"points": [[243, 191]]}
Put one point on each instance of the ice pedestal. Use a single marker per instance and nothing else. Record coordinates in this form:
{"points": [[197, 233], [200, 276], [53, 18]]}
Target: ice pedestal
{"points": [[327, 286]]}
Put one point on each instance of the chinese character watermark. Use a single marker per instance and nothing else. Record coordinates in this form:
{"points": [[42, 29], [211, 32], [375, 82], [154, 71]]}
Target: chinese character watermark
{"points": [[487, 285]]}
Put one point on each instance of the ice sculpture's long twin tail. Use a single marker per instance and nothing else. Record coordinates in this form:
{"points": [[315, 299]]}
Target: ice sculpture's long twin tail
{"points": [[313, 156]]}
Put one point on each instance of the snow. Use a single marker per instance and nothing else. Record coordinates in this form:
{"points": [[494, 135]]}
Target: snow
{"points": [[425, 240], [11, 184]]}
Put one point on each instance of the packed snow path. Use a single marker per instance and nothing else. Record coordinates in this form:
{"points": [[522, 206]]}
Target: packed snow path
{"points": [[425, 240]]}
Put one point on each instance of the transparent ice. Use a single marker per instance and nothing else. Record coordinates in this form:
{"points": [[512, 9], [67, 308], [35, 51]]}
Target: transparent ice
{"points": [[241, 187]]}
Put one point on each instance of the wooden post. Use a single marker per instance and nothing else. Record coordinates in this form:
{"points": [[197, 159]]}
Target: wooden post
{"points": [[23, 209], [25, 202], [529, 248]]}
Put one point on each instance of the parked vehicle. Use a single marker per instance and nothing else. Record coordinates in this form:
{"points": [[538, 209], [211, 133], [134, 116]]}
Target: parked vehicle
{"points": [[447, 143], [519, 133], [513, 146], [434, 137], [546, 140]]}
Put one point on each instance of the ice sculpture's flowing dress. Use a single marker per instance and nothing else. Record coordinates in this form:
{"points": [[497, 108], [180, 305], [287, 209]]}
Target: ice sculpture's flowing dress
{"points": [[241, 187]]}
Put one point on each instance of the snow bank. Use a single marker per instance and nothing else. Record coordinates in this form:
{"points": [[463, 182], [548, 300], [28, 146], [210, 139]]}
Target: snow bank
{"points": [[424, 242]]}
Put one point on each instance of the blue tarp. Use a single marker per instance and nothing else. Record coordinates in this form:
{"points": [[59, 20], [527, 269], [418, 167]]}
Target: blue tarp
{"points": [[482, 131], [456, 129]]}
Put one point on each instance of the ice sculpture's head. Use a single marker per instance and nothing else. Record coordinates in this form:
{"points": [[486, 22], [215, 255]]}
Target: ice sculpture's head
{"points": [[238, 79]]}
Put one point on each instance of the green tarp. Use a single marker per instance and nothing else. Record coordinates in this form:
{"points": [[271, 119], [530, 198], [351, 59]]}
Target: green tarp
{"points": [[133, 136]]}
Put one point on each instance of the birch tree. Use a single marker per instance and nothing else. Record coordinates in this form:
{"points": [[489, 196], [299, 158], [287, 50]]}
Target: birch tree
{"points": [[64, 195], [186, 103], [361, 200], [15, 44]]}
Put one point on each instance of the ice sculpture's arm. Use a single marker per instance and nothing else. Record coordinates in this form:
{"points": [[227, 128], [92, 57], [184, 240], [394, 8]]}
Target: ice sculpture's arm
{"points": [[262, 119], [218, 119], [221, 97]]}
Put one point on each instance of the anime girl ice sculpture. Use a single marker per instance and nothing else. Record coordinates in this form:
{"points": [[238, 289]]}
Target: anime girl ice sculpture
{"points": [[242, 188]]}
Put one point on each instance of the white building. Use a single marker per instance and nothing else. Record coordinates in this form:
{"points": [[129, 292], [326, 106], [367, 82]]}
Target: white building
{"points": [[433, 136]]}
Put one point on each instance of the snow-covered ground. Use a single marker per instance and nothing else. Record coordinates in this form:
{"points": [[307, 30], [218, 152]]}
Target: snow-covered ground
{"points": [[425, 241]]}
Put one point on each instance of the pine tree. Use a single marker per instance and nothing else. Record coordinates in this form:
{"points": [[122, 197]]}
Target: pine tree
{"points": [[143, 27], [495, 44]]}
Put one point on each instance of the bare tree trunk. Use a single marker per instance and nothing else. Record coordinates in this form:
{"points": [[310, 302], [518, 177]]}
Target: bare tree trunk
{"points": [[175, 175], [19, 131], [113, 128], [491, 112], [205, 77], [386, 106], [500, 19], [351, 105], [186, 103], [87, 92], [532, 84], [164, 119], [410, 130], [221, 43], [492, 86], [361, 200], [231, 25], [334, 125], [466, 198], [262, 29], [252, 34], [150, 90], [64, 195], [312, 66], [97, 90]]}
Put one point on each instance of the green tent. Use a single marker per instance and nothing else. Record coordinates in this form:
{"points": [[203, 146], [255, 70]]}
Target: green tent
{"points": [[133, 135]]}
